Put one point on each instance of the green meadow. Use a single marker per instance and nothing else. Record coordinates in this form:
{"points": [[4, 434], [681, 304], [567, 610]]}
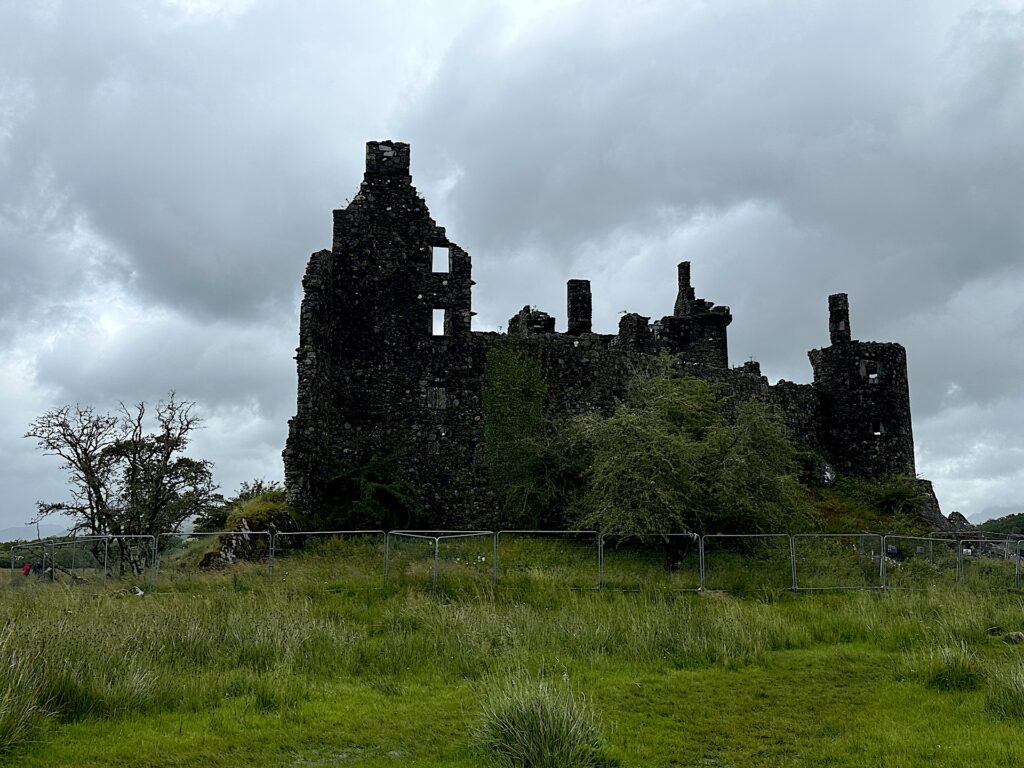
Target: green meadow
{"points": [[315, 663]]}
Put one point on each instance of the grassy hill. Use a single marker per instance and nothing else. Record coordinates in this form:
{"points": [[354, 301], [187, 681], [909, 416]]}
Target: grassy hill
{"points": [[314, 664]]}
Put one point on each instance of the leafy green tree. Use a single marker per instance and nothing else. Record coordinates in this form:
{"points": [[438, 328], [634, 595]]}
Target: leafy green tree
{"points": [[668, 460]]}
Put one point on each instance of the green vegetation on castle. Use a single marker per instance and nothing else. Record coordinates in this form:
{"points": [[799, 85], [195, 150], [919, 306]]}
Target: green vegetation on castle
{"points": [[674, 455]]}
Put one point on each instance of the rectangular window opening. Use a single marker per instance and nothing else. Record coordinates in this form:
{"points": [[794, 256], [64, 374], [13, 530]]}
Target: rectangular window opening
{"points": [[439, 322], [441, 259], [871, 370], [876, 428], [436, 398]]}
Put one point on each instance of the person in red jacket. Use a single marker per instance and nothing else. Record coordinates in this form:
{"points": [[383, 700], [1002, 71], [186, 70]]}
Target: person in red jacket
{"points": [[26, 569]]}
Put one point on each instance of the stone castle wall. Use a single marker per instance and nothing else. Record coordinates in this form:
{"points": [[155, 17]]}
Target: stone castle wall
{"points": [[388, 364]]}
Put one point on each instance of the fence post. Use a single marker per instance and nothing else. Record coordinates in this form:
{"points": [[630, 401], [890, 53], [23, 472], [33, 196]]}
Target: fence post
{"points": [[1017, 569], [494, 562], [53, 561], [700, 562], [884, 565], [792, 562], [106, 547], [600, 560], [959, 561], [271, 536], [387, 556], [437, 554], [156, 561]]}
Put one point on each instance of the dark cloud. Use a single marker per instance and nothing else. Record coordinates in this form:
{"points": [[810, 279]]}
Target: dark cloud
{"points": [[166, 169]]}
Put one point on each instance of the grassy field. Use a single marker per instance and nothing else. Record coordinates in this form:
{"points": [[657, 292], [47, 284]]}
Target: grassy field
{"points": [[314, 665]]}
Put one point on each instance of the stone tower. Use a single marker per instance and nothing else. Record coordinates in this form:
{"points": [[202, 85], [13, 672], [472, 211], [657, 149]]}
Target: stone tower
{"points": [[384, 330], [865, 400]]}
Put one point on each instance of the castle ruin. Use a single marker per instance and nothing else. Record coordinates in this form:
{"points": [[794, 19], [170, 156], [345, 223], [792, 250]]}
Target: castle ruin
{"points": [[388, 363]]}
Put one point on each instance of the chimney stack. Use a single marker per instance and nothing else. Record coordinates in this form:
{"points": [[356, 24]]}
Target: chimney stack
{"points": [[685, 296], [387, 158], [838, 318], [579, 307]]}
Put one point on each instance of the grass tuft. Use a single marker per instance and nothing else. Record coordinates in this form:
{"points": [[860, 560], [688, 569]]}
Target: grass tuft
{"points": [[955, 668], [528, 723]]}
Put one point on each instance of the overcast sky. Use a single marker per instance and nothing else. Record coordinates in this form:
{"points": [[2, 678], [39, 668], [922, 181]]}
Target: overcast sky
{"points": [[167, 168]]}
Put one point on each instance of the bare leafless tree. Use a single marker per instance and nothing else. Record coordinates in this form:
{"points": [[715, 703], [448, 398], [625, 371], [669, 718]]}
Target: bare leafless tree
{"points": [[124, 481]]}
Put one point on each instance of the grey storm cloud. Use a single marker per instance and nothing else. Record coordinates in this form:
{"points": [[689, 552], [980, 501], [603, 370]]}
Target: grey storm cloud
{"points": [[166, 168]]}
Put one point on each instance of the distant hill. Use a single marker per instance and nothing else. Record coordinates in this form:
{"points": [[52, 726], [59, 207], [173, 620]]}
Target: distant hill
{"points": [[27, 532], [1008, 524]]}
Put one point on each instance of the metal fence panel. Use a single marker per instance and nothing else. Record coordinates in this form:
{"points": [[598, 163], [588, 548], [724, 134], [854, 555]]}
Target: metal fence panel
{"points": [[1019, 556], [131, 558], [655, 561], [564, 558], [183, 556], [411, 559], [987, 564], [837, 561], [465, 560], [743, 563], [331, 560], [919, 562]]}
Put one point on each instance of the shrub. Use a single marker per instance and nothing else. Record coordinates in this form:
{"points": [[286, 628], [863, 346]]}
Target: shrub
{"points": [[531, 723], [677, 457], [261, 512]]}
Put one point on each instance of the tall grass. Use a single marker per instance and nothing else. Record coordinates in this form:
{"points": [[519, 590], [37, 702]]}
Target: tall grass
{"points": [[264, 641], [1004, 697]]}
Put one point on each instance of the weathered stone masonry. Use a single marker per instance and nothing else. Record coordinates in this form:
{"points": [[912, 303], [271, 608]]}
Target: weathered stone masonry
{"points": [[388, 363]]}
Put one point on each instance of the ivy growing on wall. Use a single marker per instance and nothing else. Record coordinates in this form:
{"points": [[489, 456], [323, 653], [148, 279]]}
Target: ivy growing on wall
{"points": [[513, 396]]}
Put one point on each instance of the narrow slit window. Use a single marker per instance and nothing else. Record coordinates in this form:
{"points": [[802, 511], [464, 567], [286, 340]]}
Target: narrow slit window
{"points": [[441, 259], [438, 323], [876, 428], [872, 371]]}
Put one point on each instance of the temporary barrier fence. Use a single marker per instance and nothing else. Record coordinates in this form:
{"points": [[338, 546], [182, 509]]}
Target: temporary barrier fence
{"points": [[341, 550], [1018, 555], [233, 545], [987, 564], [673, 564], [432, 539], [41, 545], [733, 552], [675, 561], [919, 562], [851, 560], [566, 556]]}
